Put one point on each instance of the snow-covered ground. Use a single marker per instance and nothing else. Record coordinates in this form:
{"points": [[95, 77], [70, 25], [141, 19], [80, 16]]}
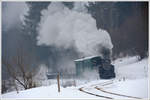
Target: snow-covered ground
{"points": [[131, 68], [48, 92], [131, 80], [137, 88]]}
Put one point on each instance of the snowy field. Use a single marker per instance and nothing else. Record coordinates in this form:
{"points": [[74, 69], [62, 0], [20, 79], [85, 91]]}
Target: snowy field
{"points": [[131, 80]]}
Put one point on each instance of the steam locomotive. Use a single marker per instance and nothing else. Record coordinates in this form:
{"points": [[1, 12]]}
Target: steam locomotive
{"points": [[104, 66], [106, 69]]}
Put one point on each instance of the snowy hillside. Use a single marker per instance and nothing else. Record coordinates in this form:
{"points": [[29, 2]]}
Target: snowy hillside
{"points": [[131, 83], [131, 68]]}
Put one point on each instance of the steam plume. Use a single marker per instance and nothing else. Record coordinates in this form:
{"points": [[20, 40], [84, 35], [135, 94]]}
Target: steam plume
{"points": [[65, 28]]}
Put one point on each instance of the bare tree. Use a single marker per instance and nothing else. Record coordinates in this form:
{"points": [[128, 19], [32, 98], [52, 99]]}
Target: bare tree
{"points": [[21, 67]]}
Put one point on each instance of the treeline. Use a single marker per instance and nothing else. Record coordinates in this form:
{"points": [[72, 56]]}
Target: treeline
{"points": [[127, 23]]}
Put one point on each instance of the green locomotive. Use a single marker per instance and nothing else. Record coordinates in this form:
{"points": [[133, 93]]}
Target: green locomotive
{"points": [[104, 66]]}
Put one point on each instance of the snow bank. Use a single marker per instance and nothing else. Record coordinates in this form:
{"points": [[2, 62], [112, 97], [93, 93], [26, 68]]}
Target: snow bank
{"points": [[137, 88], [131, 68], [48, 92], [64, 28], [125, 60]]}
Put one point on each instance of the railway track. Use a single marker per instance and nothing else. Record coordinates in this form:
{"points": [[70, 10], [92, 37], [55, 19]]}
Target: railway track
{"points": [[103, 83], [117, 94], [94, 86], [106, 97]]}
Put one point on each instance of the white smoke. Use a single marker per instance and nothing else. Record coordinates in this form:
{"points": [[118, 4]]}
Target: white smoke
{"points": [[80, 6], [63, 28], [12, 13]]}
